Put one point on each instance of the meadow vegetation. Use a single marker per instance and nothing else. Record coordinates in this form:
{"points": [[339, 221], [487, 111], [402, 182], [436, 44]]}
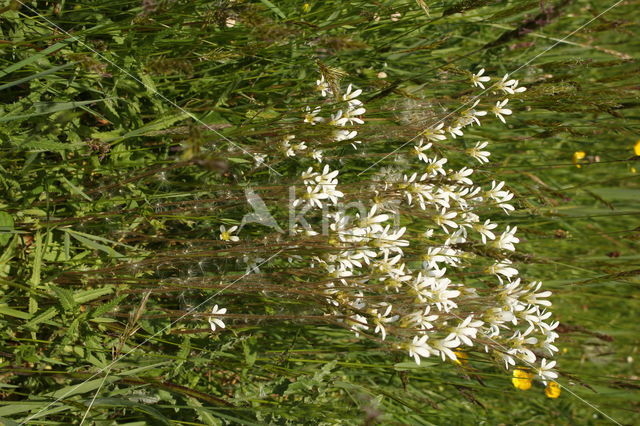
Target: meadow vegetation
{"points": [[160, 161]]}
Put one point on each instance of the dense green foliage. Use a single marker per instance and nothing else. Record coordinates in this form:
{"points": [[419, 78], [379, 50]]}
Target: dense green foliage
{"points": [[125, 130]]}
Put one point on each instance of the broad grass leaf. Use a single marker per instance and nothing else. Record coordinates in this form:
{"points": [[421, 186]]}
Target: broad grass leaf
{"points": [[6, 228]]}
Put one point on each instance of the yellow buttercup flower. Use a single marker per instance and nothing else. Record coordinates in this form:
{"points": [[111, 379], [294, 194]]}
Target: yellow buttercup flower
{"points": [[636, 148], [461, 358], [552, 390], [306, 7], [522, 379], [577, 156]]}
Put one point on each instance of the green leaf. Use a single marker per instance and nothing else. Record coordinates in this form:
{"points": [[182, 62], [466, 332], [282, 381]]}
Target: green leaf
{"points": [[65, 297], [8, 254], [6, 228], [92, 243], [46, 108], [84, 387], [35, 76], [238, 160], [45, 316], [410, 365], [4, 310], [275, 9], [33, 58], [89, 295], [7, 422], [203, 414], [46, 145], [15, 407], [75, 189], [144, 408], [103, 309]]}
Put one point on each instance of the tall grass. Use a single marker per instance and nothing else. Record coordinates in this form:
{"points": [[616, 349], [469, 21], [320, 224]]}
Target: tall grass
{"points": [[128, 130]]}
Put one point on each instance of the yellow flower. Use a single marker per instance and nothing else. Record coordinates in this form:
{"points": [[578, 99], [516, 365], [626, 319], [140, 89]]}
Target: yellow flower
{"points": [[521, 379], [306, 7], [577, 156], [552, 390], [636, 148], [461, 358]]}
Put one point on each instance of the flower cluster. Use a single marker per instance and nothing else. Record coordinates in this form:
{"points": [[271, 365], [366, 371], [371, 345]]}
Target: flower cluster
{"points": [[418, 267]]}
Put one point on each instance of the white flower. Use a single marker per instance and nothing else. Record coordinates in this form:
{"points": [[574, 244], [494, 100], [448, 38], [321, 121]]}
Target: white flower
{"points": [[323, 86], [461, 176], [485, 230], [419, 348], [259, 159], [327, 176], [496, 192], [357, 323], [545, 371], [419, 150], [478, 78], [381, 319], [372, 218], [454, 131], [316, 154], [352, 115], [503, 268], [434, 166], [466, 330], [217, 322], [311, 116], [433, 256], [443, 346], [443, 219], [534, 298], [421, 319], [499, 110], [226, 235], [312, 196], [507, 239], [343, 135], [435, 134], [471, 115], [441, 297], [309, 176], [337, 119], [291, 149], [350, 96], [509, 86], [477, 153]]}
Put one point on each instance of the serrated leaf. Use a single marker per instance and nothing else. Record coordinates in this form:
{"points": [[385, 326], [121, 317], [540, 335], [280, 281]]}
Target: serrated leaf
{"points": [[103, 309], [203, 414], [65, 297]]}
